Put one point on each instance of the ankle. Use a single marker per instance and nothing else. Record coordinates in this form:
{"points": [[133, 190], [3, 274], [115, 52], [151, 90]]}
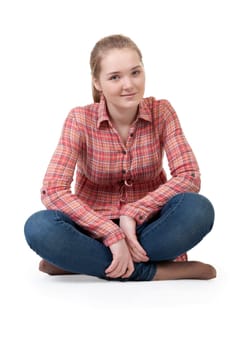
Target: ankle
{"points": [[184, 270]]}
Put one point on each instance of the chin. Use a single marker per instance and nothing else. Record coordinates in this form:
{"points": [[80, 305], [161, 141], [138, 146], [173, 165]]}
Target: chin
{"points": [[130, 104]]}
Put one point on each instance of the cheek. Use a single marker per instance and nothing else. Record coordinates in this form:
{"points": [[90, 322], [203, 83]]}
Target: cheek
{"points": [[142, 86], [142, 82], [111, 90]]}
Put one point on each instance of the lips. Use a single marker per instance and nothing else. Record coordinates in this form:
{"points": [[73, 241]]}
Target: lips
{"points": [[129, 95]]}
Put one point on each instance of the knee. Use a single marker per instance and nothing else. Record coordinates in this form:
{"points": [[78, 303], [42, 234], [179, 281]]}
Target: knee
{"points": [[35, 227], [201, 210]]}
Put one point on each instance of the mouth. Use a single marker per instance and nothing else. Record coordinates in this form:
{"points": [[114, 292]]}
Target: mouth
{"points": [[129, 95]]}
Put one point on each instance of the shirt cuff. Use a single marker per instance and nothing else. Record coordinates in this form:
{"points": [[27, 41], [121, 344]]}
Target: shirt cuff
{"points": [[137, 214], [113, 237]]}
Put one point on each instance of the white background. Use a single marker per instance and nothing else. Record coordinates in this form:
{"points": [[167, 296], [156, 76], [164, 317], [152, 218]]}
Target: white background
{"points": [[44, 72]]}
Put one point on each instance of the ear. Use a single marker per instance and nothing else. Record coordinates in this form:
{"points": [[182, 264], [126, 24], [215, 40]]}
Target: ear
{"points": [[96, 84]]}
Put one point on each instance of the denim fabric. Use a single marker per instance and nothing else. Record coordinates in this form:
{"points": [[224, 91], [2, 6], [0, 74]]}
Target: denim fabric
{"points": [[177, 228]]}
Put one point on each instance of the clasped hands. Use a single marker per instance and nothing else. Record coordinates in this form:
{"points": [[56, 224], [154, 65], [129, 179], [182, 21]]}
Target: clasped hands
{"points": [[126, 251]]}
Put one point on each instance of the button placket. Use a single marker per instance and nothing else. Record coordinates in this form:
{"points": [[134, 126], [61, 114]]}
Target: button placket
{"points": [[125, 171], [126, 165], [127, 181]]}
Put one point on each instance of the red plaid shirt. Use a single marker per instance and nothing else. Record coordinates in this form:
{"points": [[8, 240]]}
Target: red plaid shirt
{"points": [[114, 179]]}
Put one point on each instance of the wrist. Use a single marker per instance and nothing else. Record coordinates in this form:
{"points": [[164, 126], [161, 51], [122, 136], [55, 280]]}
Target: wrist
{"points": [[134, 213]]}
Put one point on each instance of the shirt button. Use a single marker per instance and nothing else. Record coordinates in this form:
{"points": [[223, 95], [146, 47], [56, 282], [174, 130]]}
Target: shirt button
{"points": [[123, 171], [131, 135], [129, 183], [141, 217], [124, 152]]}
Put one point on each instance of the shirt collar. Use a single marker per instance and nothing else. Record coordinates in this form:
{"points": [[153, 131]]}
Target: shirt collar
{"points": [[144, 112], [103, 114]]}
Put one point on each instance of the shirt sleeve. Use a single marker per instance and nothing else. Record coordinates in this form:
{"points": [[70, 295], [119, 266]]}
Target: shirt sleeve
{"points": [[56, 192], [184, 169]]}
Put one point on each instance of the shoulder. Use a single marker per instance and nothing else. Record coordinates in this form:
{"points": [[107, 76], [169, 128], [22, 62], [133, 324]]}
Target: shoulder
{"points": [[159, 108], [82, 116], [81, 113]]}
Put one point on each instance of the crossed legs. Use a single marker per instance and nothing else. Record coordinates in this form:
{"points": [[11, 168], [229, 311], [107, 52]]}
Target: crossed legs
{"points": [[181, 224]]}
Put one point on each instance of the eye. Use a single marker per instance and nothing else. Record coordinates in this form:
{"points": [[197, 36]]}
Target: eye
{"points": [[136, 72], [114, 77]]}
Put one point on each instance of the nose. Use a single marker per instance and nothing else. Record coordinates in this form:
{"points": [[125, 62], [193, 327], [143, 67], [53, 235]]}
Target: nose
{"points": [[127, 83]]}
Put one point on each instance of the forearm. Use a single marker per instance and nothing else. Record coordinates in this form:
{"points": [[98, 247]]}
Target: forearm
{"points": [[96, 224], [142, 209]]}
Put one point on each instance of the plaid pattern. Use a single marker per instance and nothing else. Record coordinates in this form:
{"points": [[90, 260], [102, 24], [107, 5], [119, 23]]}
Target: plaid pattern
{"points": [[113, 179]]}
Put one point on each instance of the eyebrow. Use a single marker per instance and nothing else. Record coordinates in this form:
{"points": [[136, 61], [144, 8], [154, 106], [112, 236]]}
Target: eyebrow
{"points": [[117, 72]]}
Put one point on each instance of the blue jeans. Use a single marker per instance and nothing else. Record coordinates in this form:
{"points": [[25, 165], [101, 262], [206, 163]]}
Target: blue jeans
{"points": [[179, 226]]}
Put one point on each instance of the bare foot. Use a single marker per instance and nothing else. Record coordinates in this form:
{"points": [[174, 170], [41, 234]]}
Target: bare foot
{"points": [[45, 266], [184, 270]]}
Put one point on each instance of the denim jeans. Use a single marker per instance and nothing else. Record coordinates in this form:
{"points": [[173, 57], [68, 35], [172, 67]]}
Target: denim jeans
{"points": [[182, 223]]}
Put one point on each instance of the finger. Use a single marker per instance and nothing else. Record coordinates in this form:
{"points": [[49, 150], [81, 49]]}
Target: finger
{"points": [[135, 259], [138, 257], [135, 245], [118, 270], [113, 266], [139, 248], [137, 254], [116, 273], [138, 260], [129, 271]]}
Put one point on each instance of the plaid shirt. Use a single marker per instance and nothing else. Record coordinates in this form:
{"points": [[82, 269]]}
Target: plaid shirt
{"points": [[114, 179]]}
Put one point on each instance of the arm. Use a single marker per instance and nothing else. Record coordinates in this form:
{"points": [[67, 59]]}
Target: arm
{"points": [[182, 163], [56, 191]]}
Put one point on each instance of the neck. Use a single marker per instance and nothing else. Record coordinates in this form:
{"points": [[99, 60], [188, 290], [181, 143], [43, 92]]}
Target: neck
{"points": [[121, 116]]}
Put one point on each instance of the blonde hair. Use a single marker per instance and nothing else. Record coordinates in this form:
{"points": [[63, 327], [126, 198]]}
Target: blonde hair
{"points": [[104, 45]]}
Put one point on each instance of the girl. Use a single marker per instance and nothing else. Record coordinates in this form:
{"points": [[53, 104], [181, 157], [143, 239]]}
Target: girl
{"points": [[125, 220]]}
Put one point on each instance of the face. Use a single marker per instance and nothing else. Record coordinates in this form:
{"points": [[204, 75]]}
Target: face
{"points": [[121, 79]]}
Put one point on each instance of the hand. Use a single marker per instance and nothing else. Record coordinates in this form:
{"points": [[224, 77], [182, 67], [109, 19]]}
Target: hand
{"points": [[128, 225], [122, 263]]}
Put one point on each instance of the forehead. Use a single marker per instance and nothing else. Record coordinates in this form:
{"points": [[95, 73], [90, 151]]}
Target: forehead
{"points": [[119, 60]]}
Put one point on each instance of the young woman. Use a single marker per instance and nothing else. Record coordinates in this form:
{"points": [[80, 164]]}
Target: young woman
{"points": [[125, 220]]}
